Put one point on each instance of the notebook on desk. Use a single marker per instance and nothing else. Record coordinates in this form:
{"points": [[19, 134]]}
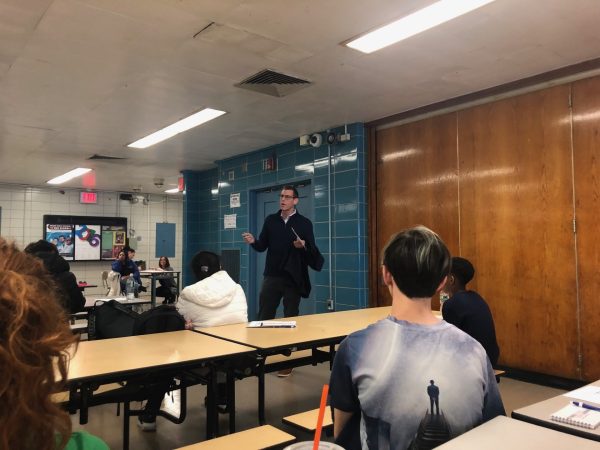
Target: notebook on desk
{"points": [[578, 416]]}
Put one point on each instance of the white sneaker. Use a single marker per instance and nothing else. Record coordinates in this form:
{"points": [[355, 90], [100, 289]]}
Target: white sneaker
{"points": [[146, 426]]}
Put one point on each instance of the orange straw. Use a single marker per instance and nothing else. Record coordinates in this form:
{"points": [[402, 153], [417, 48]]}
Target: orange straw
{"points": [[321, 415]]}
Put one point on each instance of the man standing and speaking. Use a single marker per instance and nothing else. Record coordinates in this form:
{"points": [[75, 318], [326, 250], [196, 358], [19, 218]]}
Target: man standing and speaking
{"points": [[290, 243]]}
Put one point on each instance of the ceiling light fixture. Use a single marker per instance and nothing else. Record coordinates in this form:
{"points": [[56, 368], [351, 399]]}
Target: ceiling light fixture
{"points": [[172, 191], [421, 20], [69, 176], [180, 126]]}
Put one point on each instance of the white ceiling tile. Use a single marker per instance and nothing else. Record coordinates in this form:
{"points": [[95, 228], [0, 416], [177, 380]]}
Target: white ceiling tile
{"points": [[79, 77]]}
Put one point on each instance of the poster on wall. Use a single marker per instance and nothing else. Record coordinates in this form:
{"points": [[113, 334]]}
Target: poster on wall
{"points": [[113, 241], [229, 221], [62, 237], [86, 238], [234, 200], [87, 242]]}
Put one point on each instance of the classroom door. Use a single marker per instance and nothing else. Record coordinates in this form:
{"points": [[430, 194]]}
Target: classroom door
{"points": [[267, 202]]}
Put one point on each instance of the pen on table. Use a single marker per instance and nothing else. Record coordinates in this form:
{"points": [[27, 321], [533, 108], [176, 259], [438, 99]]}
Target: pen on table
{"points": [[586, 406]]}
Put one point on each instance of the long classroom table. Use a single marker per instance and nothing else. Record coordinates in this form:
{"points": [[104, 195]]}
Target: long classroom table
{"points": [[502, 433], [539, 414], [121, 359], [157, 274], [311, 331], [90, 301]]}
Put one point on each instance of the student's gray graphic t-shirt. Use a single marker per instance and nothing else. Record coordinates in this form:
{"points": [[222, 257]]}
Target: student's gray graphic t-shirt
{"points": [[414, 386]]}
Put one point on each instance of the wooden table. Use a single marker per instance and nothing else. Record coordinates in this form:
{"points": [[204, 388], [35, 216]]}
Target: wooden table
{"points": [[84, 286], [91, 301], [155, 274], [257, 438], [502, 433], [307, 421], [312, 331], [539, 414], [120, 359]]}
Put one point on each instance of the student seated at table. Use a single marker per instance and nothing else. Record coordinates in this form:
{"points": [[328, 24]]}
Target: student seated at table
{"points": [[411, 380], [467, 310], [167, 284], [33, 359], [126, 268], [215, 299], [68, 290]]}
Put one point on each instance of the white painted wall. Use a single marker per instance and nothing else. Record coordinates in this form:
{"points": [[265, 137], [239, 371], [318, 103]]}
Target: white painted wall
{"points": [[23, 209]]}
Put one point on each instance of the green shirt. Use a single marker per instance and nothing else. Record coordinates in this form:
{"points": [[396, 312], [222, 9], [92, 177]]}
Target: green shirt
{"points": [[81, 440]]}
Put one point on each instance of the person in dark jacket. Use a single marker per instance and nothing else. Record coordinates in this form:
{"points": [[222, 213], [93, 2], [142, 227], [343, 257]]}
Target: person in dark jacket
{"points": [[127, 268], [290, 243], [467, 310], [70, 295]]}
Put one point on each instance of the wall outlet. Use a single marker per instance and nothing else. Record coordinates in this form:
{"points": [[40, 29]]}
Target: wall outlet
{"points": [[330, 305], [344, 137]]}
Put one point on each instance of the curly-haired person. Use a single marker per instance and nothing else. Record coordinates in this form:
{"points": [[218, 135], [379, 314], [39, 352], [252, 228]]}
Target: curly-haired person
{"points": [[33, 359]]}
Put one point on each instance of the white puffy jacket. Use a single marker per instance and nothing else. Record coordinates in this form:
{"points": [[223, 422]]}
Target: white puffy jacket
{"points": [[216, 300], [114, 282]]}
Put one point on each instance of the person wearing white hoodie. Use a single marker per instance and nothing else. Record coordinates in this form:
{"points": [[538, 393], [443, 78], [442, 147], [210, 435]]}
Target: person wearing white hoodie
{"points": [[215, 299]]}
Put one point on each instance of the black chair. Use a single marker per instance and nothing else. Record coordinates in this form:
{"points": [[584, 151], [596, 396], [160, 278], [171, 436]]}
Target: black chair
{"points": [[110, 320]]}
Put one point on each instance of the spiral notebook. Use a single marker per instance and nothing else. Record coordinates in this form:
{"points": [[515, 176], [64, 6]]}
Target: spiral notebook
{"points": [[580, 417]]}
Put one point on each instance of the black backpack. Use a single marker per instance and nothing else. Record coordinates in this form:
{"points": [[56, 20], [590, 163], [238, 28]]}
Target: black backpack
{"points": [[112, 319], [160, 319]]}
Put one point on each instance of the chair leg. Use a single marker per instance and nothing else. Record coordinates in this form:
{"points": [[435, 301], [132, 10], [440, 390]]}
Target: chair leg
{"points": [[125, 425]]}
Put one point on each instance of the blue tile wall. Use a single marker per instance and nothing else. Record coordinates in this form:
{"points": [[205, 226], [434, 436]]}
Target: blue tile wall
{"points": [[200, 217], [207, 196]]}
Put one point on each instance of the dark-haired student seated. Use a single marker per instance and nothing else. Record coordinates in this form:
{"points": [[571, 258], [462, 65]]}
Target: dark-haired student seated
{"points": [[467, 310]]}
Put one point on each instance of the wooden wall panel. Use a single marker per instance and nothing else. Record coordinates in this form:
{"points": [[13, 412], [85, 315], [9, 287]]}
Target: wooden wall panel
{"points": [[417, 182], [516, 225], [586, 145]]}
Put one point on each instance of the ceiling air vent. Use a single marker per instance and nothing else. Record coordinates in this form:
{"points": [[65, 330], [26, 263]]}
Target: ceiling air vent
{"points": [[96, 157], [273, 83]]}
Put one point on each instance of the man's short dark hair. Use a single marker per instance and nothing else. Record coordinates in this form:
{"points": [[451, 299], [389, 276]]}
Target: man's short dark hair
{"points": [[41, 246], [290, 188], [418, 260], [462, 269], [205, 264]]}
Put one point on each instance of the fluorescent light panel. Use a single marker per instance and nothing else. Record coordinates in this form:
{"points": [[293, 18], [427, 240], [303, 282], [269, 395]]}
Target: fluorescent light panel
{"points": [[421, 20], [69, 176], [182, 125], [172, 191]]}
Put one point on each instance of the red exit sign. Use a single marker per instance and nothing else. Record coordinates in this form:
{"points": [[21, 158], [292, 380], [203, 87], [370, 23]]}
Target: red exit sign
{"points": [[88, 197]]}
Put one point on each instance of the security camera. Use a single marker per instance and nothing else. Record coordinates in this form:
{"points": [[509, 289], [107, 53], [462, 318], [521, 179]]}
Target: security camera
{"points": [[316, 140], [159, 182]]}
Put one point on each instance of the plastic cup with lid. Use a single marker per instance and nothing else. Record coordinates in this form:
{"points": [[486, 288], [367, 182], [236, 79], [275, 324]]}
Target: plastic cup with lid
{"points": [[308, 445]]}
